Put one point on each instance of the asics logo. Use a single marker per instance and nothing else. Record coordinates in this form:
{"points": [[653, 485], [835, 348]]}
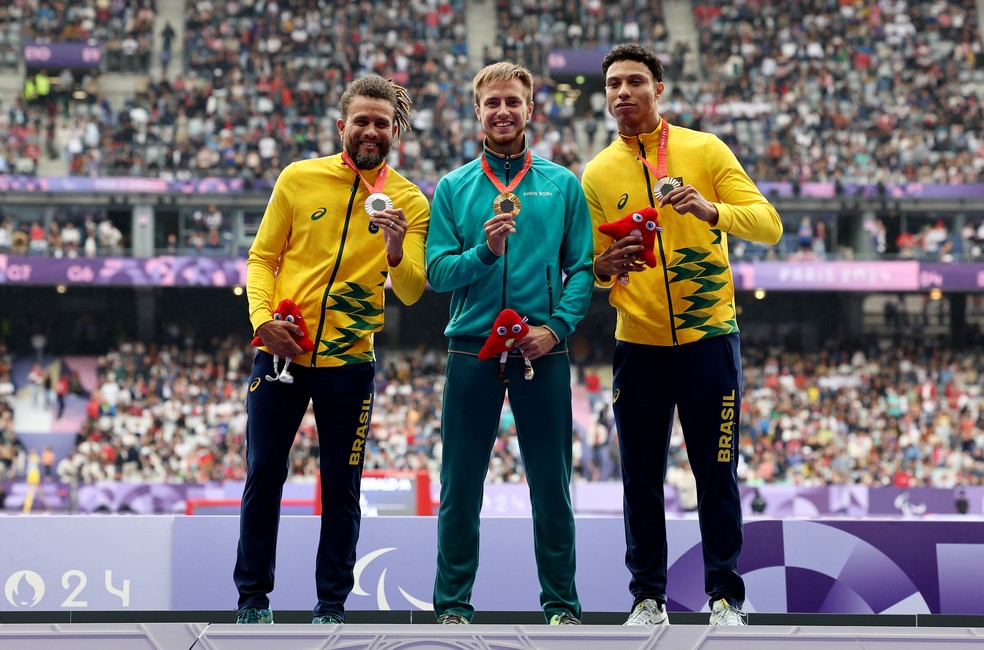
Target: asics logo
{"points": [[622, 200], [320, 213]]}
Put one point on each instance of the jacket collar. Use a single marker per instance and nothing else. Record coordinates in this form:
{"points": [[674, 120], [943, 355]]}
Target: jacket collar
{"points": [[498, 161], [649, 140]]}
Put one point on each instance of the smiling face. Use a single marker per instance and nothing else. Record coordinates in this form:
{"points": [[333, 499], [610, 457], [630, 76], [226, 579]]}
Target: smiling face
{"points": [[503, 110], [631, 92], [368, 131]]}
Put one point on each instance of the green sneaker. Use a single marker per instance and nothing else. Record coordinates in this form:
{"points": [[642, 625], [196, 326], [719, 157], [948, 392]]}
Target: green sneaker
{"points": [[252, 615], [327, 619], [564, 619]]}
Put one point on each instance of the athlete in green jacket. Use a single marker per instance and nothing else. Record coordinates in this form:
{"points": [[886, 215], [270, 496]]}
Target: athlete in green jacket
{"points": [[508, 230]]}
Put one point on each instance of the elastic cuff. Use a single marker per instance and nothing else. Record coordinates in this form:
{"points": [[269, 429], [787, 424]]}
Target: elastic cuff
{"points": [[487, 255], [558, 328], [557, 338]]}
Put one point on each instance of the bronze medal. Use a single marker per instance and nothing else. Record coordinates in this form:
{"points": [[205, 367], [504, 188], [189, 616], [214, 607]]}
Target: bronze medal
{"points": [[507, 202], [666, 185]]}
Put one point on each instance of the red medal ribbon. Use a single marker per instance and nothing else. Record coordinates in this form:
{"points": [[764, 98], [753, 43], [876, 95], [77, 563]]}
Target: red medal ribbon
{"points": [[380, 177], [487, 168], [660, 167]]}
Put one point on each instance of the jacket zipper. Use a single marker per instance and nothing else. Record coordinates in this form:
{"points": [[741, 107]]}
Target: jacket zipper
{"points": [[549, 294], [505, 251], [662, 253], [334, 271]]}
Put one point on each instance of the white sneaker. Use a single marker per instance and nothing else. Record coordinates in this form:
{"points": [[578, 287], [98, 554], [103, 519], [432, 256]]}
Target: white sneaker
{"points": [[648, 612], [724, 613]]}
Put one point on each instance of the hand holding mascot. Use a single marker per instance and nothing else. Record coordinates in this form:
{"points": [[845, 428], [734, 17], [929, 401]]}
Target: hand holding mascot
{"points": [[291, 313], [508, 328]]}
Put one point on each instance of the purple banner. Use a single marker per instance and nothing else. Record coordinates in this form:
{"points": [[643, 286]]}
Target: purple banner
{"points": [[584, 61], [64, 54], [185, 563], [569, 58], [86, 563], [128, 184], [169, 271], [829, 276], [789, 566], [165, 271], [909, 190], [390, 496], [581, 61], [951, 276], [858, 276]]}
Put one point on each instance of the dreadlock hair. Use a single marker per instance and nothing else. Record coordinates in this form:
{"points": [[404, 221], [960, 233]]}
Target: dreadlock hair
{"points": [[375, 87]]}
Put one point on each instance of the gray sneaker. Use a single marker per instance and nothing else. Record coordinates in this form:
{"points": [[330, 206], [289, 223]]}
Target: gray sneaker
{"points": [[648, 612], [724, 613], [452, 619], [253, 615]]}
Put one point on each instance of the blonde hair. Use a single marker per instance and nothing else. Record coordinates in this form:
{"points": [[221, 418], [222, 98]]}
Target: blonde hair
{"points": [[503, 71]]}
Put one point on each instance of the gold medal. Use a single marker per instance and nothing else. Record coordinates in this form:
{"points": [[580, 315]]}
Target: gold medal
{"points": [[507, 202], [666, 185]]}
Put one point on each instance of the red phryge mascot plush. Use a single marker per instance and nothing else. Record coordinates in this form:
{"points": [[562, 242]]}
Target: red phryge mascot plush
{"points": [[508, 328], [289, 312], [644, 223]]}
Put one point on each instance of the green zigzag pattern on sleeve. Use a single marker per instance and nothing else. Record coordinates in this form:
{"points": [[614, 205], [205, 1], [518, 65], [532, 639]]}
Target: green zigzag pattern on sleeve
{"points": [[691, 265], [357, 301]]}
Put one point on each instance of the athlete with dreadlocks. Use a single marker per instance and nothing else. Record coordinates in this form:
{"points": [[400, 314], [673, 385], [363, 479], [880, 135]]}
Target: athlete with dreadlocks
{"points": [[334, 230]]}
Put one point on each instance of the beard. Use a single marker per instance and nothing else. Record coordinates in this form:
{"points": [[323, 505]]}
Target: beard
{"points": [[367, 160], [502, 142]]}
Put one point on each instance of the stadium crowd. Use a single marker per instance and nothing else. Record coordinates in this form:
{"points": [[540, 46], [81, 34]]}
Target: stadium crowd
{"points": [[822, 90], [902, 414], [836, 91], [842, 90]]}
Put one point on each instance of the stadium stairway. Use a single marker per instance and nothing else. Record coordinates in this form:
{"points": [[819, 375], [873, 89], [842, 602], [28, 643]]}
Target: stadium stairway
{"points": [[173, 12], [10, 85], [679, 18], [35, 424], [479, 16]]}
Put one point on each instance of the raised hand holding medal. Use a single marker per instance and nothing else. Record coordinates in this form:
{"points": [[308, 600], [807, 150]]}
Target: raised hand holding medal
{"points": [[377, 202], [506, 205], [382, 215]]}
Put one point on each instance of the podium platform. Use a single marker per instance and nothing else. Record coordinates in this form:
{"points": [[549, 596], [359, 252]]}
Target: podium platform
{"points": [[293, 636]]}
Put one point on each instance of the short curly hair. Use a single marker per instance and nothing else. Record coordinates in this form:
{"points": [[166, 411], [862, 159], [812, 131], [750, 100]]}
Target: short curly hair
{"points": [[633, 52]]}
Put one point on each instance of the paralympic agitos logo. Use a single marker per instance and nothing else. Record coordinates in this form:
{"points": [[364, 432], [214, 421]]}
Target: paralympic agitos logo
{"points": [[382, 601]]}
